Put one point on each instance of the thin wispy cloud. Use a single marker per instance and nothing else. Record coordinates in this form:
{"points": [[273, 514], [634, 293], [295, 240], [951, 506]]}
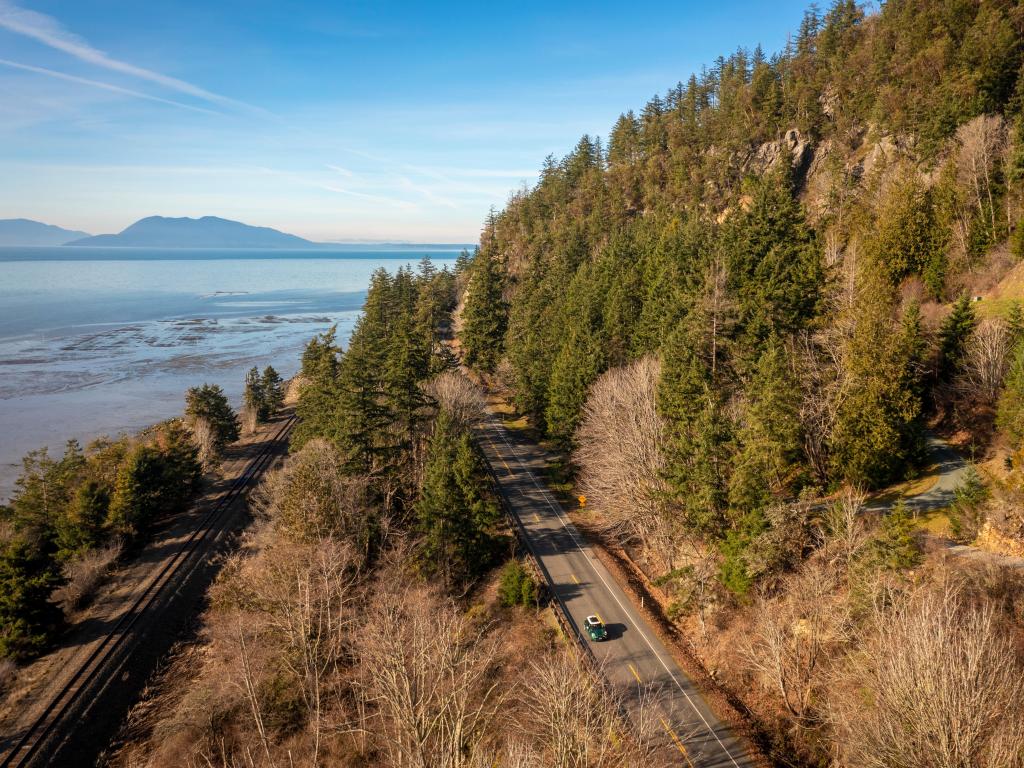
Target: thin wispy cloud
{"points": [[405, 204], [103, 86], [446, 176], [484, 173], [426, 192], [343, 171], [50, 32]]}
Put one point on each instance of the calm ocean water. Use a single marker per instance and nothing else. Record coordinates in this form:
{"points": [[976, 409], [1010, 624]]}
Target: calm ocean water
{"points": [[103, 341]]}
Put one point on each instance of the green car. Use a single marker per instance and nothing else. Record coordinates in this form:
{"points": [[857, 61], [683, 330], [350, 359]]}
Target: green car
{"points": [[595, 628]]}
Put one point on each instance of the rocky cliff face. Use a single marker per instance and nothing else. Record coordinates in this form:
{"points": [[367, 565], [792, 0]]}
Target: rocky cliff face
{"points": [[819, 168]]}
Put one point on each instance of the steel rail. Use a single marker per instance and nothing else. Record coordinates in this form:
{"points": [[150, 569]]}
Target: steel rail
{"points": [[43, 727]]}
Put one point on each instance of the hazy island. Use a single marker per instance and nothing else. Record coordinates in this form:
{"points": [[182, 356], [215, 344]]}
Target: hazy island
{"points": [[205, 232], [15, 232], [711, 453]]}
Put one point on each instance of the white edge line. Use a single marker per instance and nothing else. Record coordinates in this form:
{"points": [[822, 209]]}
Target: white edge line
{"points": [[572, 533]]}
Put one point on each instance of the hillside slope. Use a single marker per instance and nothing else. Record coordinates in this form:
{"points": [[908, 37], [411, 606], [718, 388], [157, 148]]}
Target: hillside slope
{"points": [[747, 307], [205, 232], [35, 233]]}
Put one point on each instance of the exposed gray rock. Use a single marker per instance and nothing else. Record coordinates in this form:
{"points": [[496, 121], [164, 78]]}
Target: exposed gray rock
{"points": [[793, 148]]}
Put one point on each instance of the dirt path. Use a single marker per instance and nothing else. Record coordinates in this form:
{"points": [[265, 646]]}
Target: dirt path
{"points": [[41, 681]]}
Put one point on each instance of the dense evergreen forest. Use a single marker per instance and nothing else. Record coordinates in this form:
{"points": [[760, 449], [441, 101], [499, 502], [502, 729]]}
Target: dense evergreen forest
{"points": [[781, 232], [751, 306], [394, 411], [363, 621], [755, 303]]}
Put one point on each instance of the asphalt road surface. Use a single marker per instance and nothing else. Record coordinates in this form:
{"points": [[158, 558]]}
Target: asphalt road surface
{"points": [[950, 467], [633, 659]]}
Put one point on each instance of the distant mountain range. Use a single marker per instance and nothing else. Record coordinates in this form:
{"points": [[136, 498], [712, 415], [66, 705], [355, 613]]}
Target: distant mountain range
{"points": [[28, 232], [207, 232], [165, 232]]}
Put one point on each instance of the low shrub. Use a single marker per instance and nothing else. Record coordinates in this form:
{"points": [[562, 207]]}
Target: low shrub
{"points": [[517, 586]]}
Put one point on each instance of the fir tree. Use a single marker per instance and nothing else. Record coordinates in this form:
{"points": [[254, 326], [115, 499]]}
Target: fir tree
{"points": [[1010, 410], [772, 264], [698, 438], [358, 419], [318, 398], [272, 391], [252, 395], [320, 357], [455, 513], [406, 365], [28, 620], [878, 431], [908, 238], [1015, 323], [209, 402], [770, 432], [82, 526], [485, 313], [155, 480], [895, 547], [578, 363], [954, 333]]}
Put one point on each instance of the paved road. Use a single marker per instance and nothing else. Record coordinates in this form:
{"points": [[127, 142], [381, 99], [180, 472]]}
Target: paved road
{"points": [[949, 465], [633, 659], [951, 468]]}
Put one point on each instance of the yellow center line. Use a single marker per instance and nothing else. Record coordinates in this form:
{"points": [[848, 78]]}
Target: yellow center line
{"points": [[675, 738], [635, 673], [575, 580], [536, 517]]}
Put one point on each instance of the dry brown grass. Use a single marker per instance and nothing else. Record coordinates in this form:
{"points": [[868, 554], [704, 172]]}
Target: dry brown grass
{"points": [[249, 420], [85, 574], [8, 673]]}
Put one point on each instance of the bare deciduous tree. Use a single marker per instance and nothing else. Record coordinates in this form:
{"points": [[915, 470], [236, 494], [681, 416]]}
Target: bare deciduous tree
{"points": [[938, 683], [794, 637], [85, 573], [460, 397], [250, 682], [205, 439], [819, 365], [312, 497], [845, 533], [988, 353], [249, 418], [621, 456], [575, 721], [293, 608], [428, 672], [982, 141]]}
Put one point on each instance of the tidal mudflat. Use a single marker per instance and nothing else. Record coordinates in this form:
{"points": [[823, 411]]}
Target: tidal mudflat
{"points": [[109, 344]]}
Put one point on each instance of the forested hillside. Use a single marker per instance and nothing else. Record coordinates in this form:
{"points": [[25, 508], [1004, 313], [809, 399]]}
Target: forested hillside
{"points": [[783, 233], [755, 298], [363, 622]]}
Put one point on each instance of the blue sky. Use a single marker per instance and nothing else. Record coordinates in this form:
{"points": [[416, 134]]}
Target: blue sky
{"points": [[332, 120]]}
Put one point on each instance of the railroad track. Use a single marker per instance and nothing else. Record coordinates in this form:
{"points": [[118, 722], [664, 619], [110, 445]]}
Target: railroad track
{"points": [[116, 645]]}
